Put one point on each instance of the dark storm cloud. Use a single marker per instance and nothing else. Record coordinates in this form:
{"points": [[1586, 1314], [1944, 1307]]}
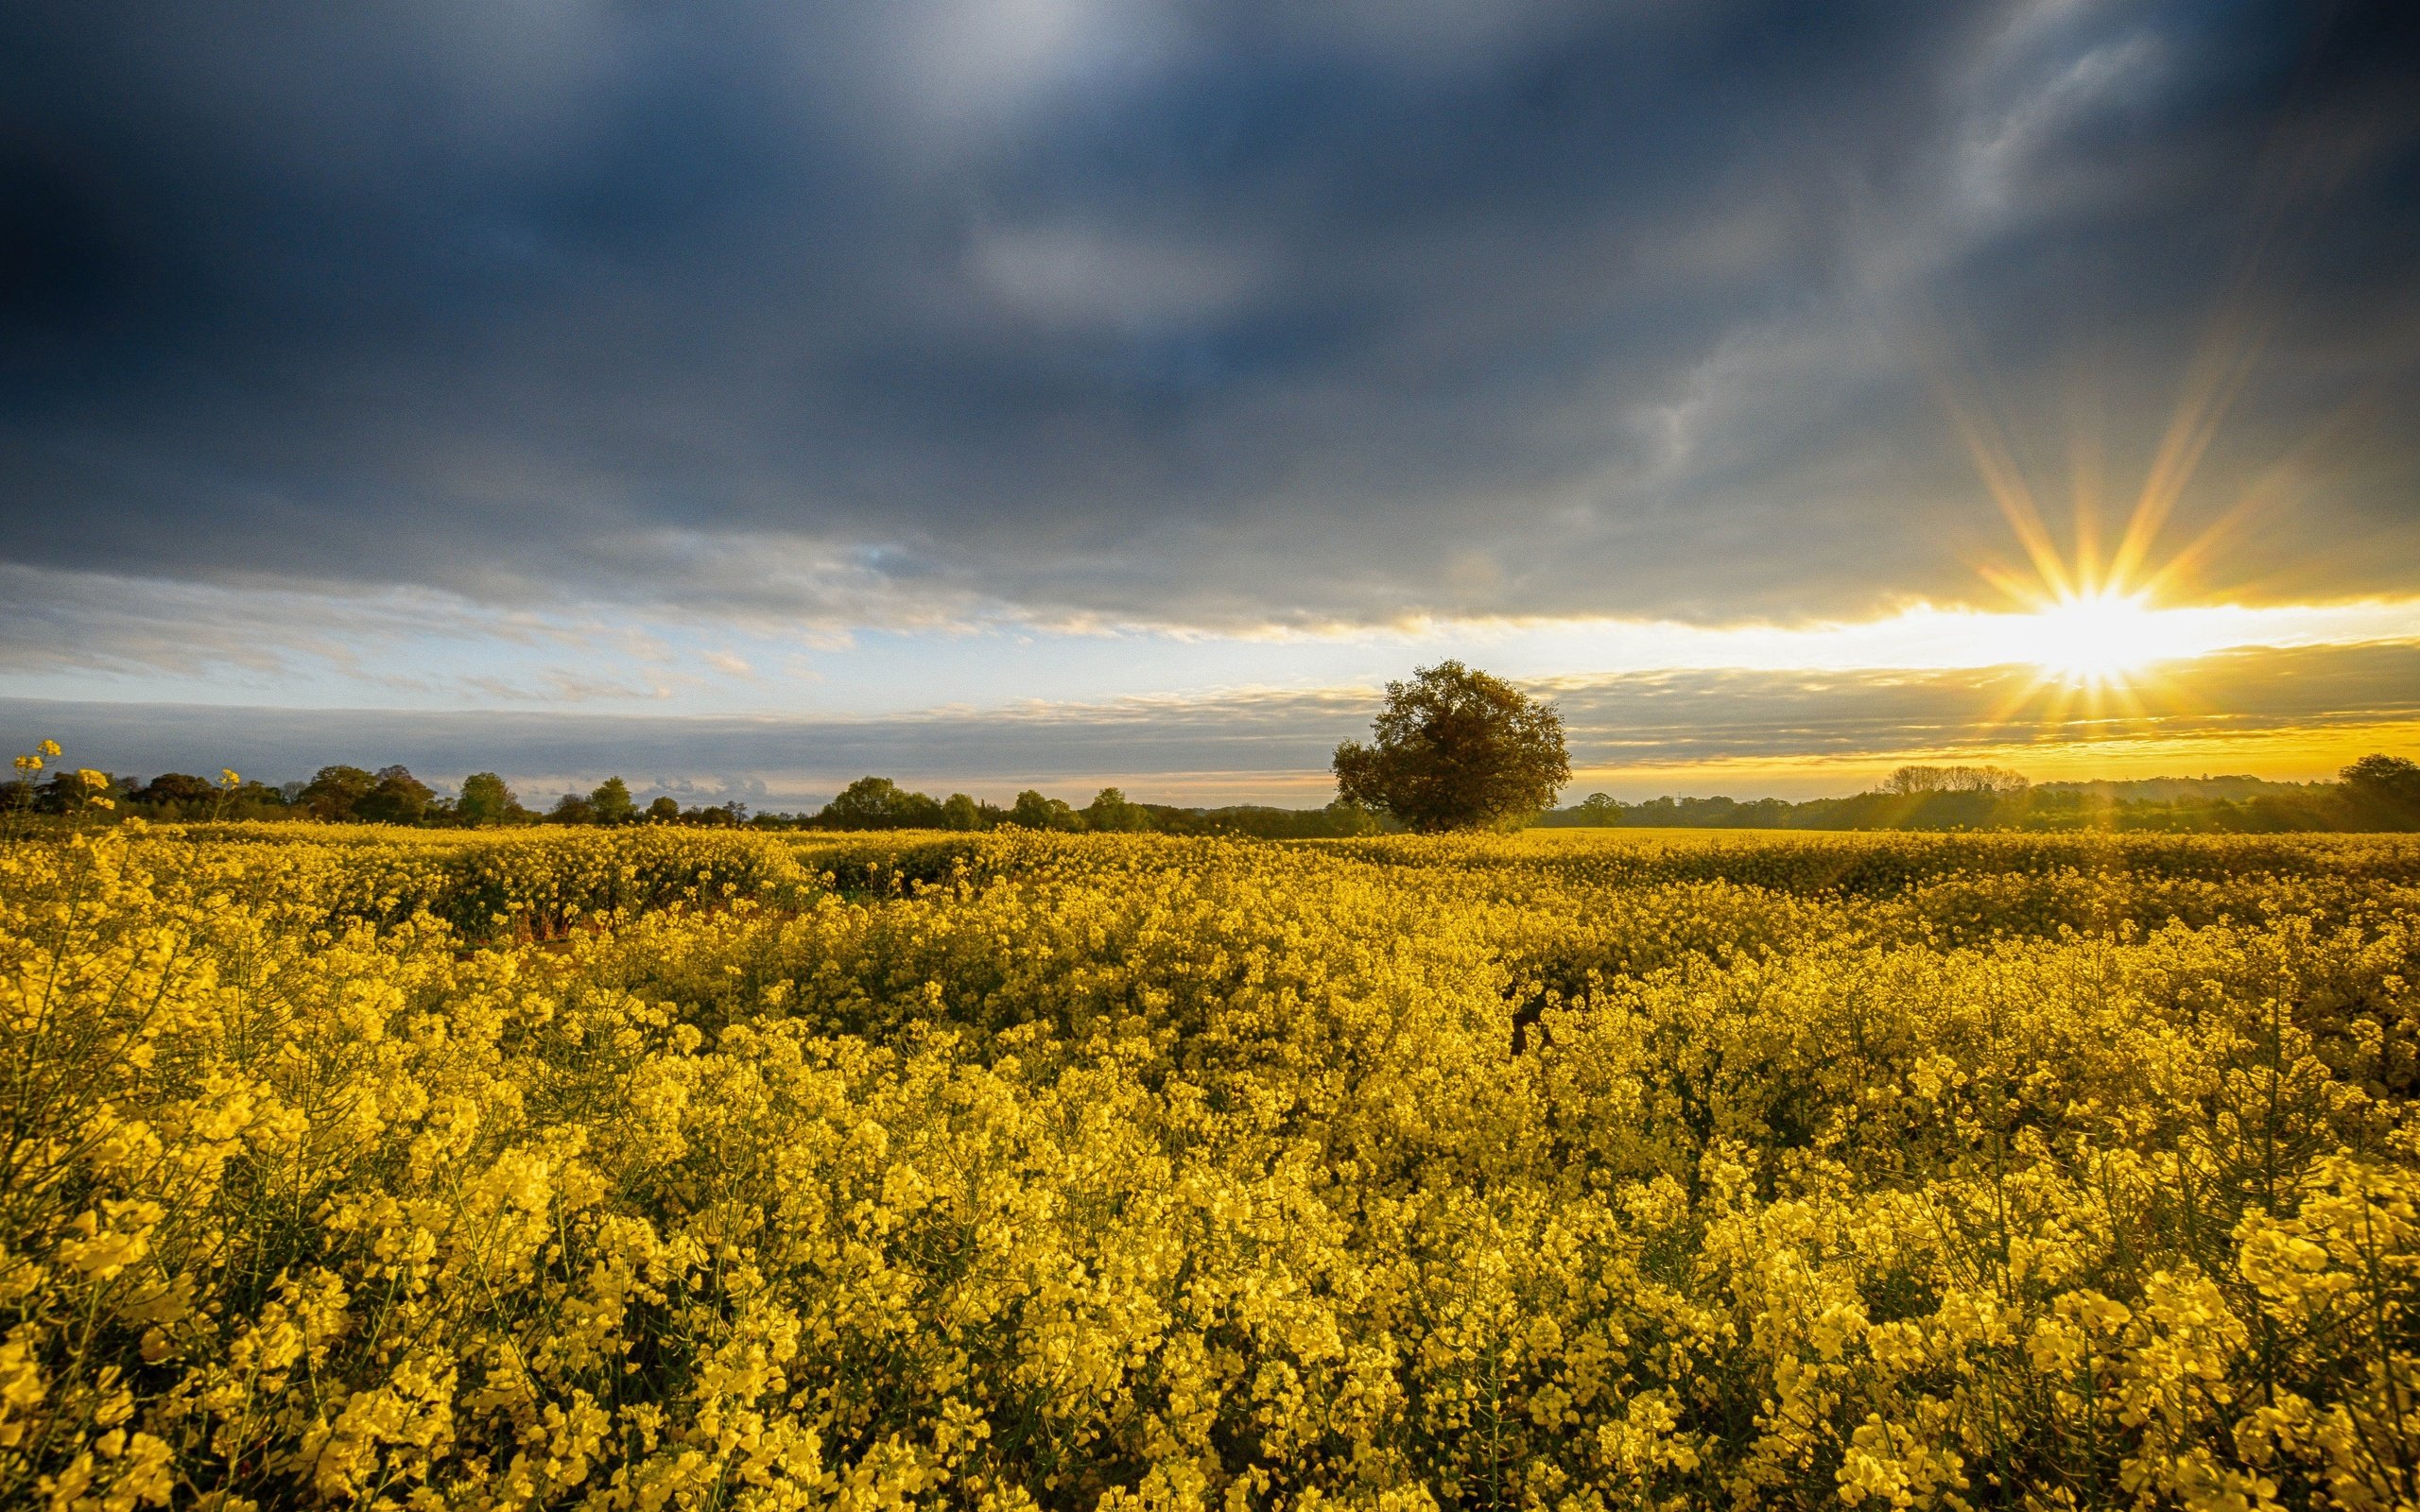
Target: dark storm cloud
{"points": [[1186, 313]]}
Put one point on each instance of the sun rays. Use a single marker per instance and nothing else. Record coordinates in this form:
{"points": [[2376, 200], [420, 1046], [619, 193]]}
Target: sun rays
{"points": [[2096, 640], [2106, 616], [2100, 628], [2095, 634]]}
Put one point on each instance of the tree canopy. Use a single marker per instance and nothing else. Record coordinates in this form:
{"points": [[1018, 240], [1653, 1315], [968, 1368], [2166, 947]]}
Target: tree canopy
{"points": [[337, 791], [1110, 812], [396, 798], [1455, 749], [1032, 811], [612, 803], [880, 804], [1997, 781], [486, 799], [2384, 791]]}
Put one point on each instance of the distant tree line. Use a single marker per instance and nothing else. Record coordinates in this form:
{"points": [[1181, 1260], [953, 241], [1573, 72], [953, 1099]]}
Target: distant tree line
{"points": [[391, 795], [2375, 793], [880, 804]]}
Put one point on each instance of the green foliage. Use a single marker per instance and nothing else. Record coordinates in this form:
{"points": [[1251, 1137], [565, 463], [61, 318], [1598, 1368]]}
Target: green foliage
{"points": [[610, 803], [2384, 792], [2377, 793], [336, 793], [1031, 811], [961, 813], [1340, 819], [397, 797], [1456, 750], [186, 796], [1109, 813], [880, 804], [486, 799]]}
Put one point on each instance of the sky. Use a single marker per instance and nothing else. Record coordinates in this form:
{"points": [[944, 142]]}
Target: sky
{"points": [[1054, 392]]}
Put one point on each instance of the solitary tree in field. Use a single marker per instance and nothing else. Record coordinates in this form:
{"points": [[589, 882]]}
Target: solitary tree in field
{"points": [[1456, 750]]}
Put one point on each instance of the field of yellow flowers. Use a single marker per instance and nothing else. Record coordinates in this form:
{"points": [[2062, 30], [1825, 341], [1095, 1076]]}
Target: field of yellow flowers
{"points": [[673, 1169]]}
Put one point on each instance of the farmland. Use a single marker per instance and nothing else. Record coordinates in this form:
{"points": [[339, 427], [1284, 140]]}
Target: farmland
{"points": [[681, 1168]]}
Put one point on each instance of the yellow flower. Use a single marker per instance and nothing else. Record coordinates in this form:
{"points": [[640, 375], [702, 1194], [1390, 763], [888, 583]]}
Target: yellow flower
{"points": [[664, 1167]]}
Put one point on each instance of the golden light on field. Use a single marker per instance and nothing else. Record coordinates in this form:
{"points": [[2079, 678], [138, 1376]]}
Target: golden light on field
{"points": [[921, 1184]]}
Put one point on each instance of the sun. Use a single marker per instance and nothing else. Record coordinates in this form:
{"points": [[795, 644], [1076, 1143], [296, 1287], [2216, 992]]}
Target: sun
{"points": [[2101, 638]]}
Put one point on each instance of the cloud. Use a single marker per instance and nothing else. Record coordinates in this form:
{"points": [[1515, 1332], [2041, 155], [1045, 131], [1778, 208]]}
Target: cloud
{"points": [[300, 641], [904, 316], [1077, 276]]}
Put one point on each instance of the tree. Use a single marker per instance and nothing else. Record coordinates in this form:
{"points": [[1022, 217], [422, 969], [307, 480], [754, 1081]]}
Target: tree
{"points": [[665, 810], [254, 801], [2383, 792], [336, 792], [868, 803], [572, 809], [1110, 813], [1599, 810], [880, 804], [961, 813], [398, 798], [178, 795], [864, 805], [1343, 816], [1034, 811], [1455, 749], [83, 792], [486, 800], [1997, 781], [610, 802]]}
